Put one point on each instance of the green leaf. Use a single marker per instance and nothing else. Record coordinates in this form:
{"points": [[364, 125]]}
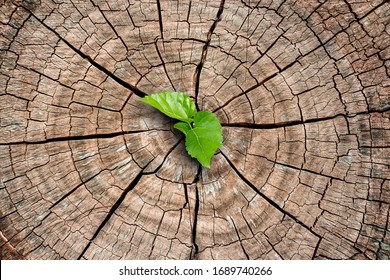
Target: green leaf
{"points": [[204, 139], [202, 129], [183, 127], [176, 105]]}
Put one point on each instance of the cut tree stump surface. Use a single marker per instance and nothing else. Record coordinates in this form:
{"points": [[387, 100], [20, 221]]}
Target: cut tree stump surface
{"points": [[301, 88]]}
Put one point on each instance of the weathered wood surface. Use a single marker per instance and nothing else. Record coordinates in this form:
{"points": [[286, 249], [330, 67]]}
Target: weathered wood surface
{"points": [[89, 172]]}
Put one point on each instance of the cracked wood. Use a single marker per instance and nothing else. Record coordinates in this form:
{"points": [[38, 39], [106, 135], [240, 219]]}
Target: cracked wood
{"points": [[89, 172]]}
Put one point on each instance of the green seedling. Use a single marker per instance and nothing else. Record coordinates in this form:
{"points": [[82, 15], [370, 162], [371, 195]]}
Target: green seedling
{"points": [[202, 129]]}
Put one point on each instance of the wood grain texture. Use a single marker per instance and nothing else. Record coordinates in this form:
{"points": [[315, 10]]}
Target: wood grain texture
{"points": [[301, 88]]}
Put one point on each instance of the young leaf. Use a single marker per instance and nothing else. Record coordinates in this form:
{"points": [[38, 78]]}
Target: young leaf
{"points": [[183, 127], [176, 105], [203, 140], [202, 129]]}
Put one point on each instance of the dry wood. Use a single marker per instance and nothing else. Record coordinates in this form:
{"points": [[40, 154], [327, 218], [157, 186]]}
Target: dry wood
{"points": [[302, 90]]}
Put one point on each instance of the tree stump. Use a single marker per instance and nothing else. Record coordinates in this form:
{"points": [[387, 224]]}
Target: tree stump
{"points": [[301, 88]]}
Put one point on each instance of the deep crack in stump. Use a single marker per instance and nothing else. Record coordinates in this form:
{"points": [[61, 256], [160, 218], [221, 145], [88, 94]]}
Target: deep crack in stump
{"points": [[87, 171]]}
